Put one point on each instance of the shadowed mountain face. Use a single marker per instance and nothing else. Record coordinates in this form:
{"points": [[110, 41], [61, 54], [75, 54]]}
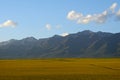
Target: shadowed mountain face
{"points": [[81, 44]]}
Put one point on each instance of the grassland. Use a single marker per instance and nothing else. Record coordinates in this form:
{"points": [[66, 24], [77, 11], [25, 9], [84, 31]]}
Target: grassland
{"points": [[60, 69]]}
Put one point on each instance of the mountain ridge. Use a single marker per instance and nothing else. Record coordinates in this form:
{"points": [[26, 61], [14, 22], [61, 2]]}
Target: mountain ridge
{"points": [[81, 44]]}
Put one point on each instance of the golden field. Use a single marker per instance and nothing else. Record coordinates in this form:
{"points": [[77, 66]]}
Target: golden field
{"points": [[61, 69]]}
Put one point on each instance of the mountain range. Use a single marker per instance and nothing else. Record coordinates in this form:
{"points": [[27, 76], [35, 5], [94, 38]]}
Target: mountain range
{"points": [[85, 44]]}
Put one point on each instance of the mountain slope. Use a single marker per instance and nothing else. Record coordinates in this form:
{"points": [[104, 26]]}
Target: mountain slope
{"points": [[81, 44]]}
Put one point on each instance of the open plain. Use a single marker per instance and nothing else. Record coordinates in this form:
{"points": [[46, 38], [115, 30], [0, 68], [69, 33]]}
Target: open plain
{"points": [[61, 69]]}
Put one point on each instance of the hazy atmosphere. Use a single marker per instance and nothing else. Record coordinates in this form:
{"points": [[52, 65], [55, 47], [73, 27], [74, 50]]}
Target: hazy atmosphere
{"points": [[45, 18]]}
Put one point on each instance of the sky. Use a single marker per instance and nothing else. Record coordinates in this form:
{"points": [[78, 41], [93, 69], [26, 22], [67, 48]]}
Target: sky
{"points": [[45, 18]]}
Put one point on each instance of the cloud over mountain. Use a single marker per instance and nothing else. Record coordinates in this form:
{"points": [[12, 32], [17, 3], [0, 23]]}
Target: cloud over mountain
{"points": [[8, 23], [118, 15], [97, 18], [48, 26], [64, 34]]}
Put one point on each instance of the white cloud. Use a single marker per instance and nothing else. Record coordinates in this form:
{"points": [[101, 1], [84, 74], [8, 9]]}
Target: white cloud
{"points": [[85, 19], [64, 34], [72, 15], [48, 26], [112, 8], [118, 14], [8, 23], [101, 18], [98, 18]]}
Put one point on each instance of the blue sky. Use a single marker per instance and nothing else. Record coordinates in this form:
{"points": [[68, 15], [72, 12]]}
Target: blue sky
{"points": [[45, 18]]}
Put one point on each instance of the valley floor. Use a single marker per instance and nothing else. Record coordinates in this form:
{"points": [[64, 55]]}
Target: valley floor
{"points": [[61, 69]]}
